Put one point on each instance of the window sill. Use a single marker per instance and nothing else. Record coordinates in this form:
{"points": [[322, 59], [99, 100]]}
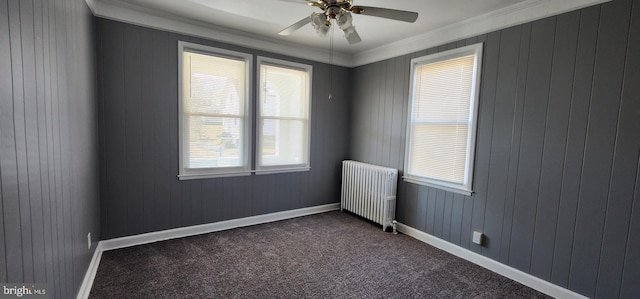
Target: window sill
{"points": [[281, 170], [444, 187], [184, 177]]}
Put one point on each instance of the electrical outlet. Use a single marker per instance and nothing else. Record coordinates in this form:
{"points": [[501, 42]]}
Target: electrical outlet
{"points": [[89, 241], [477, 238]]}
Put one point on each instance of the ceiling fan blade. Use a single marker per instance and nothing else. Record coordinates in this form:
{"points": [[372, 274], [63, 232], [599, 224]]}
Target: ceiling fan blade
{"points": [[352, 37], [394, 14], [307, 2], [295, 26], [297, 1]]}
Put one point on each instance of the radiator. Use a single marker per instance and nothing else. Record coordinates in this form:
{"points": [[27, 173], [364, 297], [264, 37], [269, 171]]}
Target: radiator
{"points": [[369, 191]]}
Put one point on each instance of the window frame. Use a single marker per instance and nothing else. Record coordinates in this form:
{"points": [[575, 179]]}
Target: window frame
{"points": [[466, 187], [259, 169], [247, 123]]}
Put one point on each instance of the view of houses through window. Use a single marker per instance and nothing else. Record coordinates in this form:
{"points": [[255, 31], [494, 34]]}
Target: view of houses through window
{"points": [[216, 107]]}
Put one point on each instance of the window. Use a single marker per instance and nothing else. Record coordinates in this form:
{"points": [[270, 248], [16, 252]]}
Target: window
{"points": [[213, 103], [442, 119], [284, 93], [216, 106]]}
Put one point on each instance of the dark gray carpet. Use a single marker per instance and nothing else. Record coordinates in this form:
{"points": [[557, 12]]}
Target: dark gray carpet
{"points": [[330, 255]]}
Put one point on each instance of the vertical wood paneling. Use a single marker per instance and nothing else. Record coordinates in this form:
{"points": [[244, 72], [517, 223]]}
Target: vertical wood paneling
{"points": [[387, 112], [421, 207], [11, 155], [516, 136], [24, 96], [501, 139], [576, 136], [45, 259], [556, 162], [486, 104], [45, 143], [148, 149], [446, 220], [431, 210], [156, 199], [64, 91], [439, 213], [456, 219], [533, 132], [162, 130], [398, 98], [31, 130], [53, 138], [48, 179], [373, 103], [625, 167], [554, 144], [116, 176], [629, 116], [6, 152], [133, 122], [631, 269], [599, 147]]}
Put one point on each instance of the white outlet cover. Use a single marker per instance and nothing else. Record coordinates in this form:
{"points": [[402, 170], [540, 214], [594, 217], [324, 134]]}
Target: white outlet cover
{"points": [[477, 238]]}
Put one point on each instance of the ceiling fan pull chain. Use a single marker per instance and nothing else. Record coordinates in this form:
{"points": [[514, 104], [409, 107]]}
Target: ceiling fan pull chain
{"points": [[331, 63]]}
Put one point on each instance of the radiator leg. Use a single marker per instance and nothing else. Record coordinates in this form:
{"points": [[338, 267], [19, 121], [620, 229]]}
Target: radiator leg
{"points": [[395, 231]]}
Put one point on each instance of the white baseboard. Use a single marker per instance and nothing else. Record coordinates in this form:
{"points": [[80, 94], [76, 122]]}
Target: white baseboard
{"points": [[485, 262], [90, 275], [181, 232], [212, 227]]}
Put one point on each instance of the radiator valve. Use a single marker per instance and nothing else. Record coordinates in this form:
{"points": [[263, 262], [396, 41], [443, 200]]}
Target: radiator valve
{"points": [[395, 231]]}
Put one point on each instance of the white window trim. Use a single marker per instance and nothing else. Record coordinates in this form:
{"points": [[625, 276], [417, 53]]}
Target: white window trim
{"points": [[467, 187], [189, 173], [290, 167]]}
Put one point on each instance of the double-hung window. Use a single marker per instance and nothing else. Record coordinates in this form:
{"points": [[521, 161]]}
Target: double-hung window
{"points": [[216, 109], [442, 119], [284, 102], [214, 93]]}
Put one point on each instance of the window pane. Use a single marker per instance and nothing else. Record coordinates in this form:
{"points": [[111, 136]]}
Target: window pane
{"points": [[442, 125], [283, 142], [213, 142], [213, 98], [283, 115], [284, 92], [439, 152], [214, 85], [443, 90]]}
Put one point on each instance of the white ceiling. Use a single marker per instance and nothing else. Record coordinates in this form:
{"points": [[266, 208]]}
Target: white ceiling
{"points": [[268, 17], [256, 23]]}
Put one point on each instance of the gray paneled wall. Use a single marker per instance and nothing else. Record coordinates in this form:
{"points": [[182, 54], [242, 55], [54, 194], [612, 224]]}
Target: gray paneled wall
{"points": [[139, 141], [556, 178], [48, 144]]}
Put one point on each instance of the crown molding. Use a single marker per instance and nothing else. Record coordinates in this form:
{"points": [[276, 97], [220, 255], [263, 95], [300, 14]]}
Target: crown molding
{"points": [[133, 14], [512, 15]]}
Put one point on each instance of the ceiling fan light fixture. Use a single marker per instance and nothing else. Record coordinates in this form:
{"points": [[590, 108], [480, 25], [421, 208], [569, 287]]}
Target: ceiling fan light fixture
{"points": [[345, 20], [340, 11], [320, 24]]}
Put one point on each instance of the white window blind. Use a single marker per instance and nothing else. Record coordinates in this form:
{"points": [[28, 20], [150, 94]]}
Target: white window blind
{"points": [[441, 133], [214, 99], [284, 105]]}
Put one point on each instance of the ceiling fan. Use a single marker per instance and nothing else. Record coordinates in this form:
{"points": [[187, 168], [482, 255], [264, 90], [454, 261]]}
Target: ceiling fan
{"points": [[340, 10]]}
